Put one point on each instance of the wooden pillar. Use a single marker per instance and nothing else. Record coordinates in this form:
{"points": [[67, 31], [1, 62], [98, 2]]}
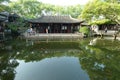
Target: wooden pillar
{"points": [[68, 29], [61, 28], [72, 28]]}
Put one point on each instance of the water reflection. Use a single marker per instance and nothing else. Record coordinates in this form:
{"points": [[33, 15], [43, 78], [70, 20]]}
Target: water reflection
{"points": [[93, 41], [55, 68], [100, 61], [7, 68]]}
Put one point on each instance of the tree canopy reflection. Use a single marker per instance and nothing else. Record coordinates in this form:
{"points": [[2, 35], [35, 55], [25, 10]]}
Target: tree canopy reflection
{"points": [[101, 60], [7, 66]]}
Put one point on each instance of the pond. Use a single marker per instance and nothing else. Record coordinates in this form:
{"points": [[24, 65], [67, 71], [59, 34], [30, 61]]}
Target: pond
{"points": [[84, 59]]}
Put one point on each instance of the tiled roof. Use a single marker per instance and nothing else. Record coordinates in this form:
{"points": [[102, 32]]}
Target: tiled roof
{"points": [[2, 18], [55, 19], [4, 14]]}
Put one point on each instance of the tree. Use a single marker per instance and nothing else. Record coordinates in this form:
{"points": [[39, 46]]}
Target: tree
{"points": [[99, 9], [33, 9], [4, 1], [85, 30], [26, 8], [3, 8]]}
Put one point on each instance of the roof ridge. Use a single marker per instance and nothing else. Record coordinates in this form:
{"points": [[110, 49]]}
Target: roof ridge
{"points": [[56, 19]]}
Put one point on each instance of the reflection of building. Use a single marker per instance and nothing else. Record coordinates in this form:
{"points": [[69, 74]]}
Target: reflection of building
{"points": [[56, 24]]}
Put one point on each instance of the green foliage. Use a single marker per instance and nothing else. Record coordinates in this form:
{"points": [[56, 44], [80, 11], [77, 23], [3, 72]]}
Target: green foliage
{"points": [[84, 30], [99, 9], [74, 11], [26, 8], [34, 8], [13, 26], [4, 1], [3, 8], [99, 22]]}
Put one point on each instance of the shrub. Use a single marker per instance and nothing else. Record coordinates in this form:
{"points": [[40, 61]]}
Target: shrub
{"points": [[85, 30]]}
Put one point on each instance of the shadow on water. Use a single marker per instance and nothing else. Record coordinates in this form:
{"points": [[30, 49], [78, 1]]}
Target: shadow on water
{"points": [[86, 59]]}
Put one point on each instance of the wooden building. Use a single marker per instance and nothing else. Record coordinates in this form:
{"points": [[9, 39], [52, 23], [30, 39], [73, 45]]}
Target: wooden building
{"points": [[2, 18], [109, 26], [8, 17], [55, 24]]}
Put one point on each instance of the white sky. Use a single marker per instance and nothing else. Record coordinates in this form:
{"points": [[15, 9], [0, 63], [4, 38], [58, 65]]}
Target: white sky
{"points": [[63, 2]]}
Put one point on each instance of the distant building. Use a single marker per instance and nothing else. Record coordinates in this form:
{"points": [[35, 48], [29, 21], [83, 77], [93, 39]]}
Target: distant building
{"points": [[8, 17], [109, 26], [55, 24], [3, 17]]}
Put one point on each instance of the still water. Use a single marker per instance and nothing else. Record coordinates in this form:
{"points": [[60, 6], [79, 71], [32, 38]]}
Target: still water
{"points": [[85, 59], [55, 68]]}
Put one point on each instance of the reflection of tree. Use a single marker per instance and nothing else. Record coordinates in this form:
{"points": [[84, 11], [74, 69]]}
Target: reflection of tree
{"points": [[39, 50], [34, 55], [101, 61], [7, 66], [42, 50]]}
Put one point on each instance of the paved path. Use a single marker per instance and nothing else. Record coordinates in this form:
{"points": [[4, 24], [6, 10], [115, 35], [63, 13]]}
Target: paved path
{"points": [[62, 35], [108, 33]]}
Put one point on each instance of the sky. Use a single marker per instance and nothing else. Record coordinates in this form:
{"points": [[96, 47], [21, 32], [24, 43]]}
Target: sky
{"points": [[63, 2]]}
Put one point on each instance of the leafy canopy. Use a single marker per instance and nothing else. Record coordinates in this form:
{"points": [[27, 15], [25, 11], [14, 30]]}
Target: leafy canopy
{"points": [[34, 8], [101, 10]]}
